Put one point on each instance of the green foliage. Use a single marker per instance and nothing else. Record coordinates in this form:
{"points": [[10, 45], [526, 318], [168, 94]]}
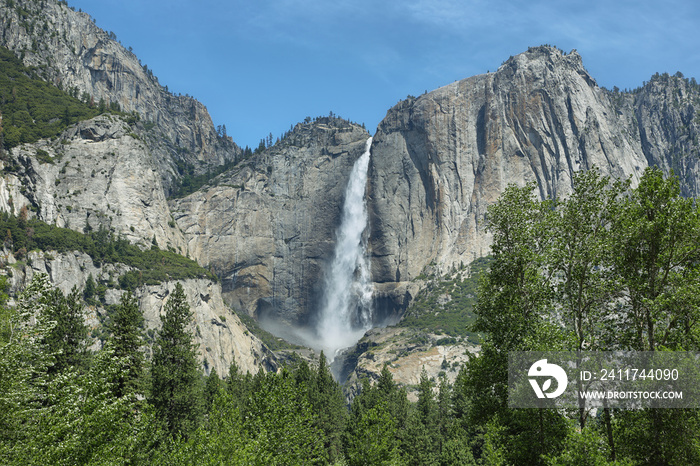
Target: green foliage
{"points": [[446, 304], [272, 425], [587, 447], [602, 249], [212, 386], [422, 430], [607, 268], [67, 338], [126, 343], [372, 438], [32, 108], [24, 365], [90, 289], [279, 418], [153, 266], [5, 312], [220, 441], [175, 381], [656, 234], [378, 418], [327, 400]]}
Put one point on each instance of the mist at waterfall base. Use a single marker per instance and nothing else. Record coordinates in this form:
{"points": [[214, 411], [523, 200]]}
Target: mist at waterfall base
{"points": [[344, 311]]}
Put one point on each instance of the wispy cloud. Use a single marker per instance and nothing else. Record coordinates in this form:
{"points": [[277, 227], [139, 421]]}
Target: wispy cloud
{"points": [[456, 15]]}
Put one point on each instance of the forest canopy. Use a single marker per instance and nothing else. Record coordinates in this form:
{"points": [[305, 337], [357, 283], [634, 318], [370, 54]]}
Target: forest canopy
{"points": [[609, 267]]}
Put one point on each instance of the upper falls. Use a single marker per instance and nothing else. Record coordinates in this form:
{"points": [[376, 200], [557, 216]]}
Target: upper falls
{"points": [[346, 306]]}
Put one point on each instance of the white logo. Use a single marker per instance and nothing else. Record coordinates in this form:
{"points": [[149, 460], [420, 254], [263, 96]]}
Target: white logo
{"points": [[542, 369]]}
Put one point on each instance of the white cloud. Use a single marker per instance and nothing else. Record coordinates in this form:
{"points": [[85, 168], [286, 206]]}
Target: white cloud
{"points": [[457, 15]]}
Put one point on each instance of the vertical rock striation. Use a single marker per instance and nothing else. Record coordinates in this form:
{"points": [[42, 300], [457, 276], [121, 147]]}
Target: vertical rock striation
{"points": [[267, 227], [441, 159], [79, 57]]}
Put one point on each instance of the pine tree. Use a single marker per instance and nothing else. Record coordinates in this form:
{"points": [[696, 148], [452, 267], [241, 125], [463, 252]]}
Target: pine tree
{"points": [[422, 446], [90, 289], [67, 338], [127, 340], [371, 434], [24, 365], [237, 384], [328, 403], [212, 387], [175, 379]]}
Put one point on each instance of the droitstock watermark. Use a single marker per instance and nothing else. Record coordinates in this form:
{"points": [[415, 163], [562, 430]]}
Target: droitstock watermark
{"points": [[604, 379]]}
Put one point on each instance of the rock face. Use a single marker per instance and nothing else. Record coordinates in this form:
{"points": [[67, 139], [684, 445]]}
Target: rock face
{"points": [[439, 160], [98, 174], [221, 336], [268, 226], [114, 172], [70, 51], [667, 113], [406, 353]]}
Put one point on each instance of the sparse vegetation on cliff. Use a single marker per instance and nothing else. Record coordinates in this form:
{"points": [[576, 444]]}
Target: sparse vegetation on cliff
{"points": [[33, 109], [152, 266], [445, 304]]}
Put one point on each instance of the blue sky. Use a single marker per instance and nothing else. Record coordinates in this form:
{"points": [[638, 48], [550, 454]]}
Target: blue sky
{"points": [[261, 66]]}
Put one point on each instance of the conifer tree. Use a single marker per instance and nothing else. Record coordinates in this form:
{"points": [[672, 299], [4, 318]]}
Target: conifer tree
{"points": [[237, 384], [371, 436], [127, 340], [421, 443], [212, 386], [175, 379], [329, 405], [67, 338], [90, 289]]}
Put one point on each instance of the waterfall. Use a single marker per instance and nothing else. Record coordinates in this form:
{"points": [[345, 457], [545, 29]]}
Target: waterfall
{"points": [[346, 306]]}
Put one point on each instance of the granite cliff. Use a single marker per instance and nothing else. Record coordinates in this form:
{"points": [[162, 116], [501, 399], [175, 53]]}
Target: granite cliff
{"points": [[70, 51], [439, 160], [114, 171], [267, 226], [98, 174], [221, 336]]}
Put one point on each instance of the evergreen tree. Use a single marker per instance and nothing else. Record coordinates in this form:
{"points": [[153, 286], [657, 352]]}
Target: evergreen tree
{"points": [[303, 375], [24, 366], [328, 404], [175, 379], [126, 342], [237, 384], [67, 338], [421, 443], [90, 289], [212, 387], [280, 419], [371, 436], [395, 398]]}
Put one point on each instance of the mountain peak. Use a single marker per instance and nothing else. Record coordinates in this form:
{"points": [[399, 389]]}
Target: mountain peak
{"points": [[545, 59]]}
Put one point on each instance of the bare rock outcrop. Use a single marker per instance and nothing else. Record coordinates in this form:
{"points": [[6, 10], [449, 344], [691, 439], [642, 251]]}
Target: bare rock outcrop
{"points": [[267, 227], [90, 63], [98, 174], [221, 336], [439, 160]]}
